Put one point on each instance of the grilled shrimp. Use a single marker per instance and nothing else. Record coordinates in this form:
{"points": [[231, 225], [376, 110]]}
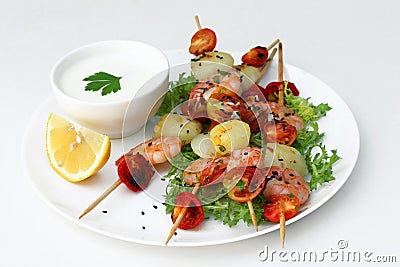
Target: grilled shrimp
{"points": [[270, 111], [229, 79], [135, 168], [197, 104], [286, 181], [192, 173], [206, 171], [158, 150]]}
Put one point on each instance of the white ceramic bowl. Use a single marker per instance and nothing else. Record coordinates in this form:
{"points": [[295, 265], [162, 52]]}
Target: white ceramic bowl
{"points": [[144, 70]]}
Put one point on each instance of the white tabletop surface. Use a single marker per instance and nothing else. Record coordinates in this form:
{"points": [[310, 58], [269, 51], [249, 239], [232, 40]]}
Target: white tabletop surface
{"points": [[351, 45]]}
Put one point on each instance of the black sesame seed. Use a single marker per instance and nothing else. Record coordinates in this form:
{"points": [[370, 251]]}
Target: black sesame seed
{"points": [[280, 159], [187, 131], [181, 125], [199, 64], [291, 174], [149, 144], [298, 183], [143, 227], [286, 182], [104, 211], [175, 233], [155, 207], [245, 153], [142, 212]]}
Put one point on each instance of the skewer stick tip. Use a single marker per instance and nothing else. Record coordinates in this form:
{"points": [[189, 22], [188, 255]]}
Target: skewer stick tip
{"points": [[273, 44], [282, 229], [197, 22], [180, 217], [100, 198]]}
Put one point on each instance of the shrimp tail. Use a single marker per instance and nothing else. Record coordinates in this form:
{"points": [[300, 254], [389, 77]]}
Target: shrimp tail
{"points": [[135, 171]]}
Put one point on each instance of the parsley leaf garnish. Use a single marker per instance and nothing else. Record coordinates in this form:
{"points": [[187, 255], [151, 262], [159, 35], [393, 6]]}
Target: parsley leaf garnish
{"points": [[101, 80]]}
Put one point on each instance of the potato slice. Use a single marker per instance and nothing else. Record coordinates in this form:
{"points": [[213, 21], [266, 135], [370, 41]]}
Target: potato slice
{"points": [[285, 157], [251, 75], [230, 135], [203, 146], [177, 125], [206, 65]]}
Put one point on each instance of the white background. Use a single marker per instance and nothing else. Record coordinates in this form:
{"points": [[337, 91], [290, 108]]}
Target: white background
{"points": [[351, 45]]}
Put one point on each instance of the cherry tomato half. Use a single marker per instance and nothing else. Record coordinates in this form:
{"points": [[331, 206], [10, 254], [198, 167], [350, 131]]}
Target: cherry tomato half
{"points": [[272, 208], [256, 57], [280, 132], [251, 182], [202, 41], [272, 89], [134, 171], [194, 215]]}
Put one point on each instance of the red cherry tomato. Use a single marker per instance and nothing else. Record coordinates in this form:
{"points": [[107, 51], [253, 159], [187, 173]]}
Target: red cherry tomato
{"points": [[134, 171], [202, 41], [288, 203], [251, 182], [280, 132], [256, 57], [273, 88], [269, 92], [194, 215]]}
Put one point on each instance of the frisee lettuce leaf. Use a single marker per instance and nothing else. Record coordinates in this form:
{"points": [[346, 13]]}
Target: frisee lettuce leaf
{"points": [[231, 212], [309, 141], [177, 93], [320, 165]]}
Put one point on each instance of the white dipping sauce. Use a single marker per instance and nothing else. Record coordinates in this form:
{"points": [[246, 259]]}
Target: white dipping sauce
{"points": [[134, 66]]}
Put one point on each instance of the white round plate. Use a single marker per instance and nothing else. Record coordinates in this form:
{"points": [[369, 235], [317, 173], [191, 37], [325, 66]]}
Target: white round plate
{"points": [[139, 218]]}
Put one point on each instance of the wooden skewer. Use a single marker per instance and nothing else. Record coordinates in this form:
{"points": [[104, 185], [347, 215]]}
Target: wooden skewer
{"points": [[266, 66], [281, 99], [196, 187], [197, 22], [282, 223], [252, 214], [273, 44], [180, 216], [100, 198], [269, 60]]}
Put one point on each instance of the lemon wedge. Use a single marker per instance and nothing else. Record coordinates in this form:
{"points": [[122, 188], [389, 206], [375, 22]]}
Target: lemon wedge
{"points": [[75, 152]]}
